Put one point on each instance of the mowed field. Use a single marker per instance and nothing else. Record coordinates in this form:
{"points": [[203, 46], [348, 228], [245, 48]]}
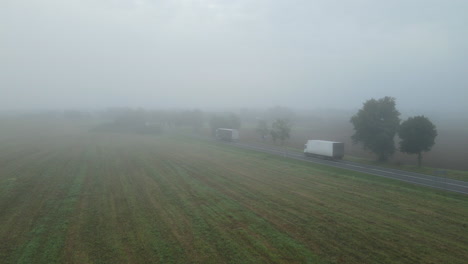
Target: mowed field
{"points": [[70, 196]]}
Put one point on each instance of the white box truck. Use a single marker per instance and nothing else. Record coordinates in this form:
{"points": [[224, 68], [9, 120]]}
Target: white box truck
{"points": [[324, 149], [227, 134]]}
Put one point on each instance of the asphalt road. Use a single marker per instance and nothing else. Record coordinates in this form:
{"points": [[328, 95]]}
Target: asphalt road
{"points": [[411, 177]]}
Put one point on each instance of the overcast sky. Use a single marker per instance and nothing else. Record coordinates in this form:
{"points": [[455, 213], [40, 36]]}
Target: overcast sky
{"points": [[243, 53]]}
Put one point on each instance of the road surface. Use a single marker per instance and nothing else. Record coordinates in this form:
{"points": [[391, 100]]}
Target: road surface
{"points": [[411, 177]]}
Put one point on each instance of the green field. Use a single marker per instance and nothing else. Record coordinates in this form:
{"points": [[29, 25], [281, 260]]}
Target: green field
{"points": [[69, 196]]}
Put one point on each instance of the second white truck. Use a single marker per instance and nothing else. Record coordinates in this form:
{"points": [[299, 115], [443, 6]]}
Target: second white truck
{"points": [[227, 134], [324, 149]]}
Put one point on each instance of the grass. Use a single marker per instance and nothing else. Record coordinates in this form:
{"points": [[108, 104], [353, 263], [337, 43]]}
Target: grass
{"points": [[77, 197], [446, 173]]}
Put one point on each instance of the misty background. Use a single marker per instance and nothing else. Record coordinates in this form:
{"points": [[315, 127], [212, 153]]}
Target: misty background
{"points": [[320, 59], [225, 54]]}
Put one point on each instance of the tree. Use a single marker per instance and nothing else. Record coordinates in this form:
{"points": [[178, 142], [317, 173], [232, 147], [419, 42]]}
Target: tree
{"points": [[417, 134], [280, 129], [262, 128], [376, 125]]}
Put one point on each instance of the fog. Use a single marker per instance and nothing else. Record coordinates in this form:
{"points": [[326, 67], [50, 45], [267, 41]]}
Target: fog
{"points": [[247, 53]]}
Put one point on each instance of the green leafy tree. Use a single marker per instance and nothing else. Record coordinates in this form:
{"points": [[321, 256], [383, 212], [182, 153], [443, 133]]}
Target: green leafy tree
{"points": [[280, 129], [376, 125], [262, 129], [417, 135]]}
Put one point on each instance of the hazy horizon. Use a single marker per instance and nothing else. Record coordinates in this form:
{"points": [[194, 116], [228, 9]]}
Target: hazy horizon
{"points": [[224, 54]]}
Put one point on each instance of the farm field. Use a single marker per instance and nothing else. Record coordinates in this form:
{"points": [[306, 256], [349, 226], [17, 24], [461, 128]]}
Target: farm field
{"points": [[70, 196]]}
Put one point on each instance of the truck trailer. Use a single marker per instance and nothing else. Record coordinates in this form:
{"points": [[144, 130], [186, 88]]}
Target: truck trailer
{"points": [[227, 134], [324, 149]]}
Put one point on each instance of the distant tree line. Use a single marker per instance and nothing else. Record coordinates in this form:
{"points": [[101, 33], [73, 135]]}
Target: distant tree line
{"points": [[375, 125], [142, 120]]}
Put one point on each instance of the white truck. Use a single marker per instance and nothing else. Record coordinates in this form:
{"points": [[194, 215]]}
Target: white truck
{"points": [[324, 149], [227, 134]]}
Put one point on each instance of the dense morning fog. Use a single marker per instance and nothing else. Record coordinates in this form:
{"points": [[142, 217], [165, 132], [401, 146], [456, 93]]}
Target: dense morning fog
{"points": [[247, 53], [233, 131]]}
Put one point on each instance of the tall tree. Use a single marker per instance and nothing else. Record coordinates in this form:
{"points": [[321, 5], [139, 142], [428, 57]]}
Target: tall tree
{"points": [[417, 135], [262, 129], [375, 125], [281, 129]]}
